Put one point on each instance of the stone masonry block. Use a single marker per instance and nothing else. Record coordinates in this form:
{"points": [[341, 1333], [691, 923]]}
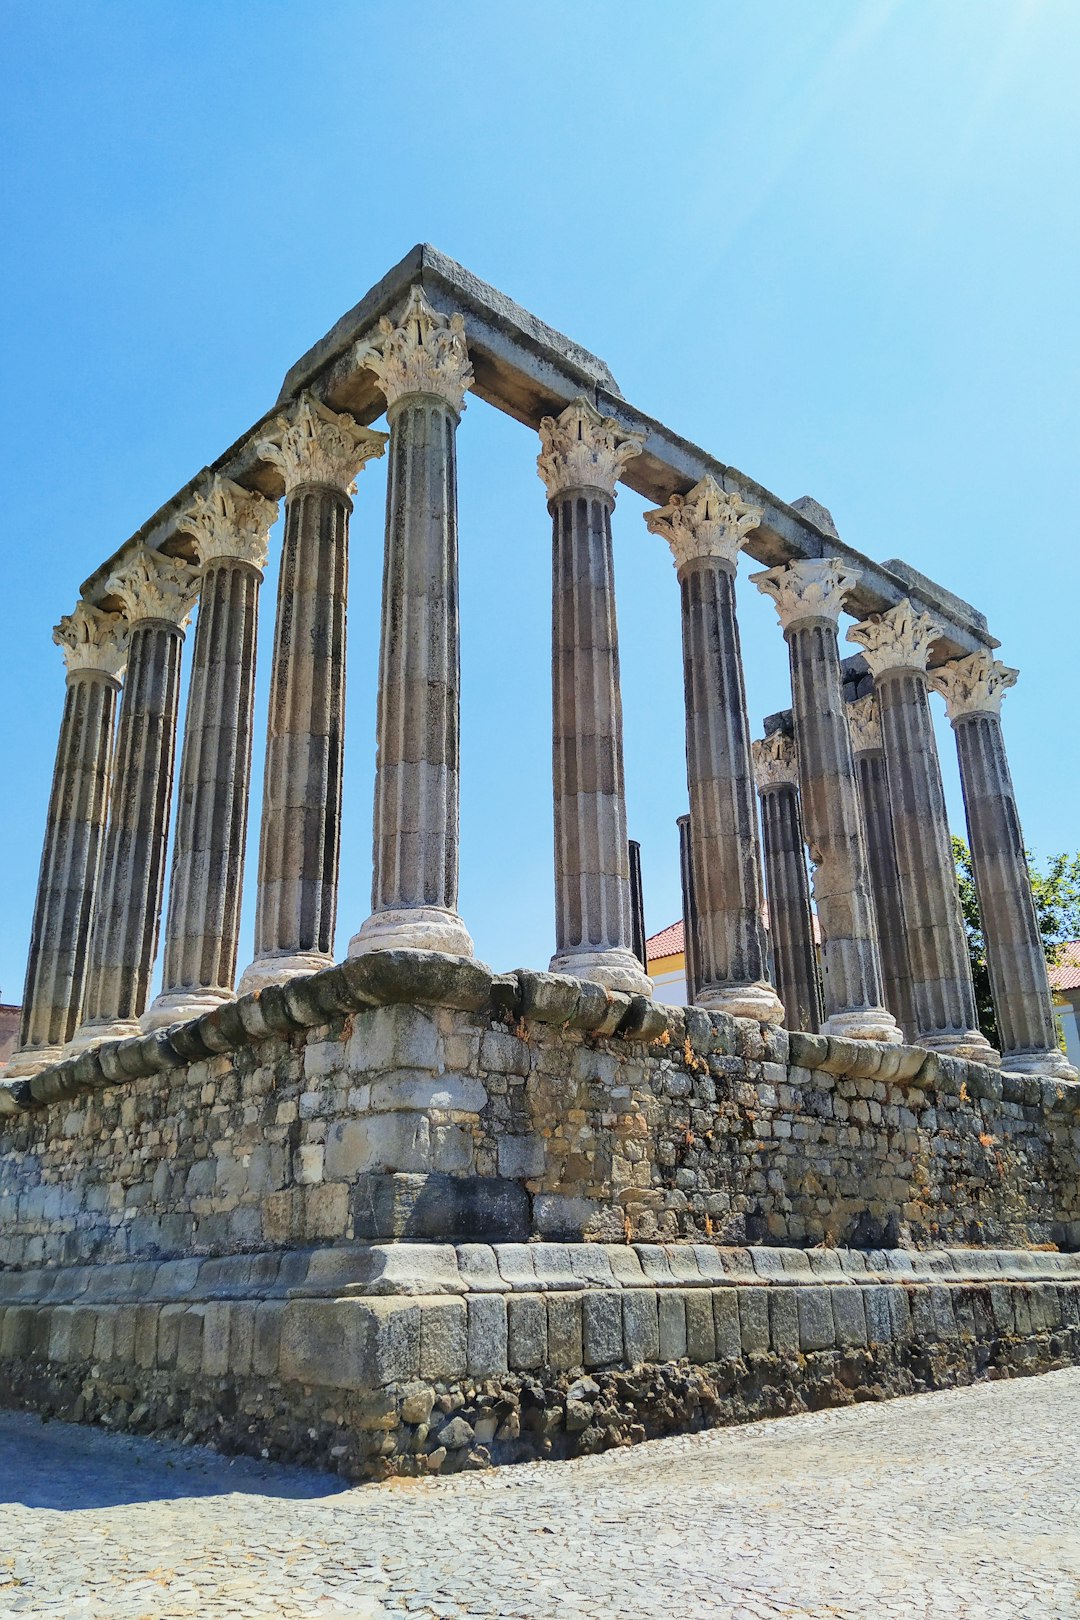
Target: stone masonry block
{"points": [[672, 1324], [189, 1342], [753, 1320], [784, 1321], [641, 1325], [879, 1324], [849, 1317], [146, 1333], [215, 1362], [521, 1156], [816, 1328], [602, 1327], [526, 1327], [564, 1331], [444, 1338], [700, 1328], [395, 1037], [487, 1335], [350, 1343], [266, 1346]]}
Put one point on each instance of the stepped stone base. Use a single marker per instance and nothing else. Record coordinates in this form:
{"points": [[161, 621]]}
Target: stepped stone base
{"points": [[383, 1359]]}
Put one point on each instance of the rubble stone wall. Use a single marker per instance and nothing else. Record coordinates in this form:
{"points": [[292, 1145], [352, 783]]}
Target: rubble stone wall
{"points": [[516, 1107]]}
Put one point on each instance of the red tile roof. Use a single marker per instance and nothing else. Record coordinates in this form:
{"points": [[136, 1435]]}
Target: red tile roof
{"points": [[671, 941], [1065, 973]]}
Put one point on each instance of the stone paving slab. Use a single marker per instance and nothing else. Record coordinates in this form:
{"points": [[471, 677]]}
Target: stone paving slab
{"points": [[963, 1503]]}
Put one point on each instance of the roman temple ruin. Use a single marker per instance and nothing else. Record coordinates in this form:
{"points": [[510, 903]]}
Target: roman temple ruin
{"points": [[403, 1213]]}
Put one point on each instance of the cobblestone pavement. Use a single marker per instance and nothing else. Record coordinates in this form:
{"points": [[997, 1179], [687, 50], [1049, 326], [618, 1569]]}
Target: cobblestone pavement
{"points": [[963, 1503]]}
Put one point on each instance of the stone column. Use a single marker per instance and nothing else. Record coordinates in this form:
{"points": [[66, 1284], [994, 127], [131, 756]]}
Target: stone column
{"points": [[896, 646], [231, 526], [809, 596], [689, 911], [422, 366], [706, 530], [881, 853], [319, 455], [94, 644], [973, 688], [157, 593], [580, 461], [791, 926]]}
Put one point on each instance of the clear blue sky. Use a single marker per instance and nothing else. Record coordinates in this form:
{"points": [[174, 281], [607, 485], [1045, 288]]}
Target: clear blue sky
{"points": [[836, 243]]}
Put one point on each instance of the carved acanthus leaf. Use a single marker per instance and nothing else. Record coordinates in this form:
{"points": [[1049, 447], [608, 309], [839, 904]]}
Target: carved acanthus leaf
{"points": [[580, 449], [90, 638], [973, 685], [898, 639], [775, 761], [813, 588], [153, 586], [313, 445], [423, 353], [707, 522], [230, 524], [865, 724]]}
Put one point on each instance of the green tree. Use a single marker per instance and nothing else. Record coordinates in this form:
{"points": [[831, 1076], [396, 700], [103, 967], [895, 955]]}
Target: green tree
{"points": [[1057, 908]]}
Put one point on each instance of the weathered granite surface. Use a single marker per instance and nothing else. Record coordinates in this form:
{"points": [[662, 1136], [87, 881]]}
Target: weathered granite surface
{"points": [[518, 1105]]}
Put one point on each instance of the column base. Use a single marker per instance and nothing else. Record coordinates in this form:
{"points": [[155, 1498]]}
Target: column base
{"points": [[1045, 1065], [95, 1034], [276, 966], [865, 1024], [30, 1060], [181, 1006], [967, 1044], [614, 969], [758, 1001], [413, 928]]}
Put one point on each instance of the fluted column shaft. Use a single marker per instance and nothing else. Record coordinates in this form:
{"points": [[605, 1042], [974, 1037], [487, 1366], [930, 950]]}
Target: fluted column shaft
{"points": [[592, 867], [78, 804], [203, 924], [300, 839], [422, 366], [852, 965], [885, 882], [896, 645], [318, 454], [790, 920], [127, 915], [723, 822], [943, 1000], [414, 892], [579, 463], [689, 910]]}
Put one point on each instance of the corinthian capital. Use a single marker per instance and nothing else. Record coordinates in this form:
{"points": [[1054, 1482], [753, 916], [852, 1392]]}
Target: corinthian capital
{"points": [[973, 685], [153, 586], [775, 762], [814, 588], [230, 524], [425, 353], [898, 639], [708, 522], [313, 445], [92, 639], [580, 449], [864, 724]]}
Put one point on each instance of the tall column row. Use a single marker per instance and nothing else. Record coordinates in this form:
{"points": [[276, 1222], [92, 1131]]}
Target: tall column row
{"points": [[787, 884], [809, 597]]}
